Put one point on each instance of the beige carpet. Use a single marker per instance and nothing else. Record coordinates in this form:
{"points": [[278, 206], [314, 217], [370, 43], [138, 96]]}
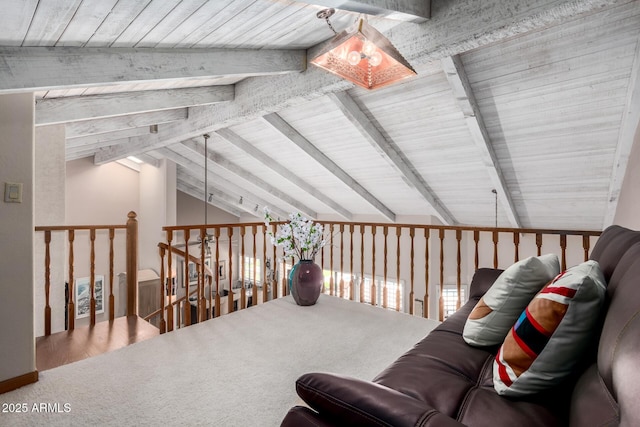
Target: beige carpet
{"points": [[237, 370]]}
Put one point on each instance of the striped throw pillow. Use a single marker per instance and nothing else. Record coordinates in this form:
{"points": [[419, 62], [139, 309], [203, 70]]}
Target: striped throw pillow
{"points": [[546, 341]]}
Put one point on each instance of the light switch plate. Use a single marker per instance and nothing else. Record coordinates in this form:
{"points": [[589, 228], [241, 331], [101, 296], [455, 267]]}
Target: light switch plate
{"points": [[12, 192]]}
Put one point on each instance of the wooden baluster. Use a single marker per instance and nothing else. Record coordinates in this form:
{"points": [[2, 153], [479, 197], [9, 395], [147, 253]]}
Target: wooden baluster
{"points": [[351, 282], [385, 233], [254, 283], [362, 231], [264, 268], [332, 290], [216, 311], [47, 282], [187, 305], [398, 233], [112, 299], [373, 265], [412, 234], [170, 306], [210, 297], [163, 325], [92, 275], [425, 302], [459, 270], [516, 246], [229, 269], [201, 305], [242, 266], [324, 280], [341, 260], [71, 313], [476, 258], [563, 247], [441, 299], [495, 249], [275, 284], [586, 246], [539, 243], [132, 264]]}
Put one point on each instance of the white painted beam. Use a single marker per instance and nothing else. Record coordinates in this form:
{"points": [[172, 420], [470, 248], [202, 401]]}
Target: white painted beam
{"points": [[197, 193], [406, 10], [390, 153], [223, 189], [111, 124], [629, 127], [272, 164], [34, 68], [455, 27], [280, 125], [463, 93], [106, 138], [70, 109], [219, 161]]}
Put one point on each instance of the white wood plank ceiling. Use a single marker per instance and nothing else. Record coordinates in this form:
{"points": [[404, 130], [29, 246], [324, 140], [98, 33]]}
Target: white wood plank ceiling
{"points": [[537, 99]]}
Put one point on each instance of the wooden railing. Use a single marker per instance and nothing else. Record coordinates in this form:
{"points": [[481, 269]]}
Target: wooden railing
{"points": [[374, 263], [131, 231]]}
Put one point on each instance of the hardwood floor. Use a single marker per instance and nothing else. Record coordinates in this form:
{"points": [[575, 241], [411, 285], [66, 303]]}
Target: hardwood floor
{"points": [[65, 347]]}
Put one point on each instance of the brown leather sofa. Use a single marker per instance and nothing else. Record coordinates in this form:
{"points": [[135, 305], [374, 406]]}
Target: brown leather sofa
{"points": [[442, 381]]}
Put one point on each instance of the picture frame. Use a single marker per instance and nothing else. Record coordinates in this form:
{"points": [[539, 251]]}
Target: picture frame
{"points": [[82, 296], [192, 273], [222, 269]]}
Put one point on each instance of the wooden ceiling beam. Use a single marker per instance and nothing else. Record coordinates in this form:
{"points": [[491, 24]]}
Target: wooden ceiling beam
{"points": [[280, 125], [458, 26], [463, 93], [112, 124], [272, 164], [390, 152], [219, 161], [71, 109], [105, 139], [224, 190], [197, 193], [35, 69], [406, 10]]}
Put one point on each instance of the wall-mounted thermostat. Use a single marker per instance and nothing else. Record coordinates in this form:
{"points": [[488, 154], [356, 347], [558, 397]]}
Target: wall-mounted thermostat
{"points": [[12, 192]]}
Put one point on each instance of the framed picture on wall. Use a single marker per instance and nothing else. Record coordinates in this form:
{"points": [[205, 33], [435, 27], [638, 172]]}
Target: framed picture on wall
{"points": [[83, 296], [192, 273], [222, 269]]}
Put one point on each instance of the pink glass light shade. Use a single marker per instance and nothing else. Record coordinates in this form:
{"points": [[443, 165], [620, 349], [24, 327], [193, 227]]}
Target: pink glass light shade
{"points": [[380, 62]]}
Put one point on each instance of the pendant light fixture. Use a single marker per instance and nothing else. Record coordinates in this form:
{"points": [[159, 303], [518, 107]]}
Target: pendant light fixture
{"points": [[362, 55]]}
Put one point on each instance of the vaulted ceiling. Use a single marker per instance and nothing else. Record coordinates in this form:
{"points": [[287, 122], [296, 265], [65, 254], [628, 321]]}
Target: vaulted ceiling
{"points": [[537, 99]]}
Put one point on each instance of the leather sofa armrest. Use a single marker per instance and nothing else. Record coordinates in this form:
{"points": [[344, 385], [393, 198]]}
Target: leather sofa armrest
{"points": [[482, 281], [355, 402]]}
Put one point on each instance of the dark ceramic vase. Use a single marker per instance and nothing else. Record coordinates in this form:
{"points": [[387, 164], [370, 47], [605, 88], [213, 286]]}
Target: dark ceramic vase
{"points": [[306, 282]]}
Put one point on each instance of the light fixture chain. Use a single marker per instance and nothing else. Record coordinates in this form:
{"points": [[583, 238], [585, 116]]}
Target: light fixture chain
{"points": [[326, 14]]}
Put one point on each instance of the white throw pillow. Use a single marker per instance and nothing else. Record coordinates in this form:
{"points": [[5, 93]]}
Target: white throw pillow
{"points": [[499, 308]]}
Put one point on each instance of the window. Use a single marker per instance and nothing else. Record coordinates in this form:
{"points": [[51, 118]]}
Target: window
{"points": [[248, 269], [450, 297], [392, 289]]}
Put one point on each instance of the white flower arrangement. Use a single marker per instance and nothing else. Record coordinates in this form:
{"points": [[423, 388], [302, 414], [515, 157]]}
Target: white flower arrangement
{"points": [[300, 237]]}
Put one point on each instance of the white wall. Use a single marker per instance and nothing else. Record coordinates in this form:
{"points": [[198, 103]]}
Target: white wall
{"points": [[628, 211], [190, 211], [157, 209], [100, 195], [17, 352], [50, 167]]}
